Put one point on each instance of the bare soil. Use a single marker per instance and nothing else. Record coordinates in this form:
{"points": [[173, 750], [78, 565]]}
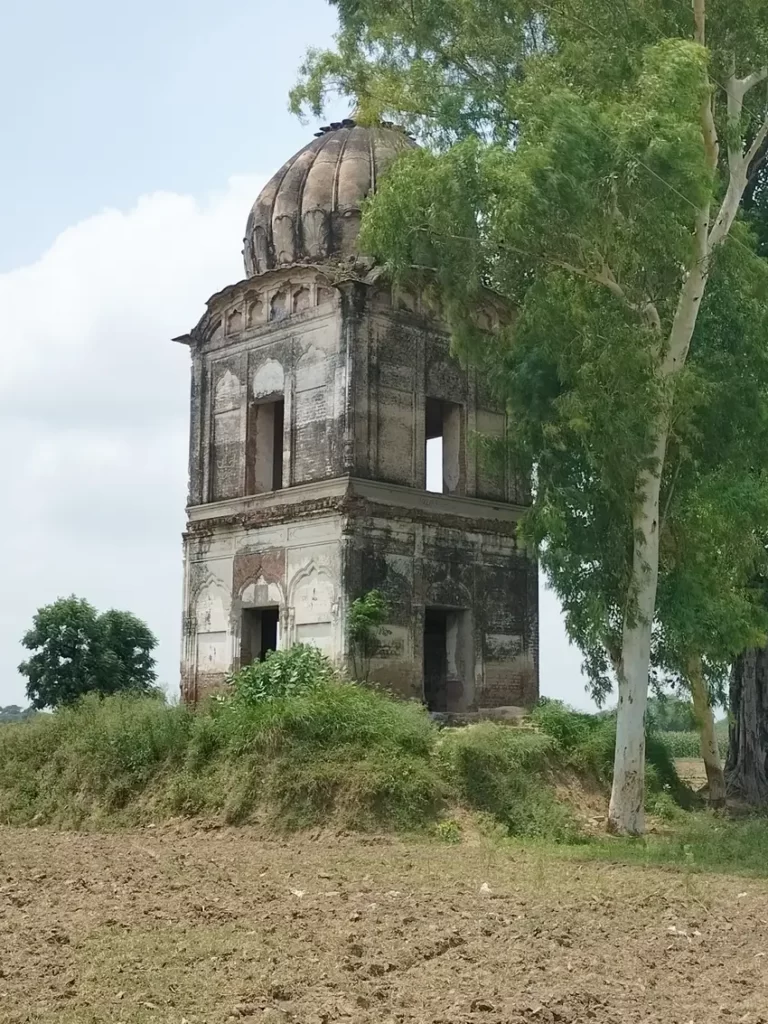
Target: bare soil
{"points": [[691, 771], [173, 924]]}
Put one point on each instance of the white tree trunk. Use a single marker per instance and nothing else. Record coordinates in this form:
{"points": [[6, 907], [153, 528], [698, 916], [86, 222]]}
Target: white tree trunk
{"points": [[705, 721], [626, 813]]}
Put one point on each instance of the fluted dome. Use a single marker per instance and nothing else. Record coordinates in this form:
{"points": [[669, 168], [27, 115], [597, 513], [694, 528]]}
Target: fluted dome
{"points": [[310, 210]]}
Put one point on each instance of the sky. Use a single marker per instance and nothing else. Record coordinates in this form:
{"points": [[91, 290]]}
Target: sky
{"points": [[135, 138]]}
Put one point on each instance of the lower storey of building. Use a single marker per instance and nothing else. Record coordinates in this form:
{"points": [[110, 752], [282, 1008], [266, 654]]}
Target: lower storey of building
{"points": [[461, 629]]}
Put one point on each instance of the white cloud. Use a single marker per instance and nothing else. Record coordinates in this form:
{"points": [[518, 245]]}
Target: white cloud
{"points": [[93, 420], [94, 406]]}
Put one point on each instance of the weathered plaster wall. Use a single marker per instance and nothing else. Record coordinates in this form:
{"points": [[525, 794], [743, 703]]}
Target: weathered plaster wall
{"points": [[477, 573], [280, 339], [354, 365], [294, 566]]}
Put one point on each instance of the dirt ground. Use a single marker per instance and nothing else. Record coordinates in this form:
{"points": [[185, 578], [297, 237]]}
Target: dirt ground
{"points": [[176, 925]]}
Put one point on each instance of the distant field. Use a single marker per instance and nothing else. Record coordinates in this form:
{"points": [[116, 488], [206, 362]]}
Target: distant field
{"points": [[686, 744]]}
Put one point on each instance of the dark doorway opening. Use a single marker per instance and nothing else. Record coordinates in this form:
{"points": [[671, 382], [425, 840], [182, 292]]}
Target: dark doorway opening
{"points": [[264, 446], [259, 634], [435, 659]]}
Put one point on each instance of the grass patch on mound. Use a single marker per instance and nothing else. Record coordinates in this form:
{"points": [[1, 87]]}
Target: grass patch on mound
{"points": [[337, 752], [324, 753], [509, 775]]}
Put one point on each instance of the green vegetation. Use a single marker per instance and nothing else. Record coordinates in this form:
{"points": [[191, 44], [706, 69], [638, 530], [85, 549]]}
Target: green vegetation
{"points": [[282, 674], [696, 842], [671, 714], [688, 743], [365, 627], [76, 650], [343, 755], [575, 208], [294, 747]]}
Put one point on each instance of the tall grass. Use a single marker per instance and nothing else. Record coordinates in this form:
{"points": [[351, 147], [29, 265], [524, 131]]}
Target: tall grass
{"points": [[337, 752], [334, 753]]}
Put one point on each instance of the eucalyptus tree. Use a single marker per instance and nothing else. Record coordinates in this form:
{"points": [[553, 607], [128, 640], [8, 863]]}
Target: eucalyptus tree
{"points": [[586, 161]]}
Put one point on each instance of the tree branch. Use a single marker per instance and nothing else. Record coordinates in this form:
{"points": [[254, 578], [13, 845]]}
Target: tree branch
{"points": [[757, 143], [745, 84]]}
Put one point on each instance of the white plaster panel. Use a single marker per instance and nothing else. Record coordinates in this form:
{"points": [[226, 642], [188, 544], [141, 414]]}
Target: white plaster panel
{"points": [[316, 533], [261, 593], [219, 569], [269, 379], [268, 537], [227, 395], [317, 634], [212, 611], [311, 370], [212, 652], [313, 596]]}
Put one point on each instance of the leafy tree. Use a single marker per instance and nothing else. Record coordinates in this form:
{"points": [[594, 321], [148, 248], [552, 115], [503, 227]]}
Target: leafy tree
{"points": [[365, 620], [14, 713], [671, 714], [78, 651], [587, 165]]}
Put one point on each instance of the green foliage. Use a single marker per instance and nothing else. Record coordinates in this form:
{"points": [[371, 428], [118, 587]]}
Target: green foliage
{"points": [[77, 651], [503, 771], [670, 714], [286, 673], [564, 172], [570, 728], [589, 742], [687, 743], [331, 753], [448, 831], [697, 842], [365, 621]]}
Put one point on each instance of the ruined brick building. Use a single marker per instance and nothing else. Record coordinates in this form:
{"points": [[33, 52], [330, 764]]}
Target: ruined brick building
{"points": [[319, 394]]}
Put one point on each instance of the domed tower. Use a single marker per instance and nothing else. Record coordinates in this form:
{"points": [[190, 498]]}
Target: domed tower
{"points": [[331, 454]]}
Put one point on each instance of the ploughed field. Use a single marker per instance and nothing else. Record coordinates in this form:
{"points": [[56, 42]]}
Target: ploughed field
{"points": [[174, 924]]}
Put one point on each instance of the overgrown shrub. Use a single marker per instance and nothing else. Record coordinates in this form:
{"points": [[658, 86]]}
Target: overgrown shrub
{"points": [[589, 742], [91, 759], [365, 627], [504, 771], [300, 748], [282, 674], [333, 752]]}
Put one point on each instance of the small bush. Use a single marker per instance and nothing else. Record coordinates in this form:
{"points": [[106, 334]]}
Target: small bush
{"points": [[570, 728], [282, 674], [448, 831]]}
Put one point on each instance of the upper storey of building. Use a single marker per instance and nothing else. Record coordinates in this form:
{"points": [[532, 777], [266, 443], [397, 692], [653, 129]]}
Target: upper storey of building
{"points": [[310, 210], [315, 368]]}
